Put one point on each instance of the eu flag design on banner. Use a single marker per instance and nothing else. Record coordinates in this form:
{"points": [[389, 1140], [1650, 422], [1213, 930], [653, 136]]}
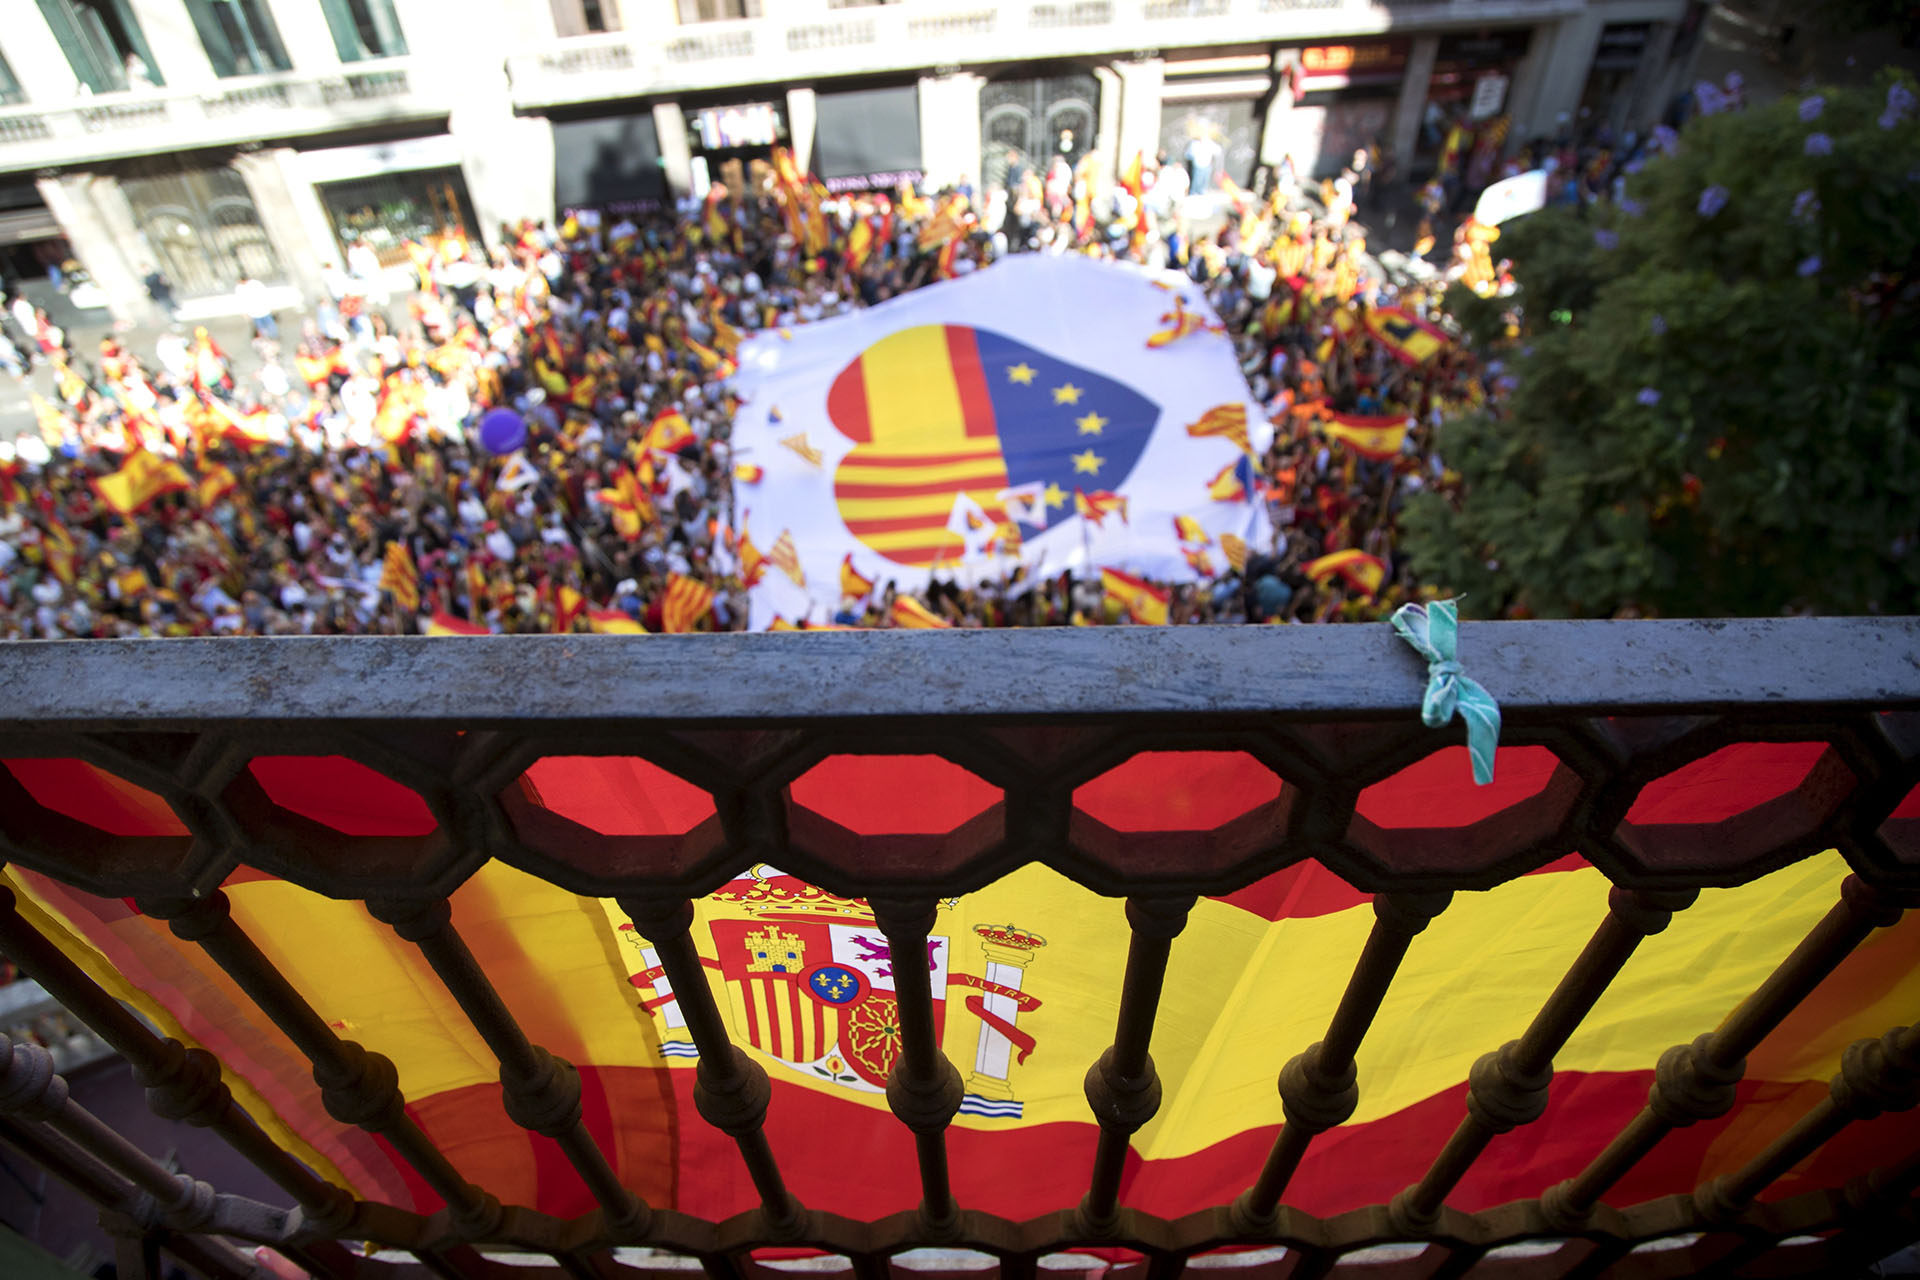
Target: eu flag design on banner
{"points": [[948, 431], [925, 406]]}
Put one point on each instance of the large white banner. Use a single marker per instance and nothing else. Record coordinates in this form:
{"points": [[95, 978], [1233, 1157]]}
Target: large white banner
{"points": [[948, 430]]}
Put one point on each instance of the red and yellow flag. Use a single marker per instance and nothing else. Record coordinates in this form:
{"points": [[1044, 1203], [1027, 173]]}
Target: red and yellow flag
{"points": [[685, 603], [753, 561], [442, 623], [568, 605], [1410, 339], [670, 432], [1187, 529], [1198, 560], [908, 613], [786, 559], [1226, 485], [142, 478], [399, 577], [612, 622], [852, 581], [215, 483], [1138, 598], [1376, 437], [1228, 421], [1360, 571], [748, 473], [1234, 548], [1098, 505]]}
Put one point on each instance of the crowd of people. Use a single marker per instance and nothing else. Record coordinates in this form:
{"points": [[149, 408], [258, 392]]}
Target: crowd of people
{"points": [[355, 483]]}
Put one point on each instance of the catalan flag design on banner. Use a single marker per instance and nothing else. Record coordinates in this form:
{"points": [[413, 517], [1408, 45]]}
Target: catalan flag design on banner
{"points": [[988, 425], [398, 576]]}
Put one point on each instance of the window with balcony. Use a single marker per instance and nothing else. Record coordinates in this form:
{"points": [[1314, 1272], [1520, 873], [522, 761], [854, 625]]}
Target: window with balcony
{"points": [[585, 17], [364, 29], [718, 10], [103, 43], [240, 36]]}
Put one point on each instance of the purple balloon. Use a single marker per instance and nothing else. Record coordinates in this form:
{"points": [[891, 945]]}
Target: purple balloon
{"points": [[502, 431]]}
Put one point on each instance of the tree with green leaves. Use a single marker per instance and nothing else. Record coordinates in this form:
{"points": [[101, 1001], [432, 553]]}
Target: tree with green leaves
{"points": [[1710, 402]]}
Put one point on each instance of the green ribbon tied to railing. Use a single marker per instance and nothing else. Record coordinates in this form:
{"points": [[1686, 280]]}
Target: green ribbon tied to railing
{"points": [[1434, 632]]}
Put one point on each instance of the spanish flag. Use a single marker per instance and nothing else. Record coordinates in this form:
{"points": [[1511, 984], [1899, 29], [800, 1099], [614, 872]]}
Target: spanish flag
{"points": [[144, 477], [685, 603], [1360, 571], [1226, 485], [852, 583], [53, 424], [1374, 437], [1141, 600], [712, 218], [399, 578], [215, 484], [748, 472], [1187, 529], [58, 547], [786, 559], [1410, 339], [670, 432], [1228, 421], [753, 561], [612, 622], [945, 226], [442, 623], [568, 604], [1198, 560], [1098, 505], [859, 243], [909, 614]]}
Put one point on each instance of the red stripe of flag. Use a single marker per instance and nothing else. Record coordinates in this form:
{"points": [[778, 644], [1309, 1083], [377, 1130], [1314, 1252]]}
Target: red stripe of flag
{"points": [[976, 403], [996, 479]]}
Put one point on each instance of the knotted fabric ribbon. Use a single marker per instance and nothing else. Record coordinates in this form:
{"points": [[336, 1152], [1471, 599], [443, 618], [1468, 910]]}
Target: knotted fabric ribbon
{"points": [[1434, 632]]}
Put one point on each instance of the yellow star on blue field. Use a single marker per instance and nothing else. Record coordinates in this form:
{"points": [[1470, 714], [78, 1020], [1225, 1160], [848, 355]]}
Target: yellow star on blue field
{"points": [[1091, 424], [1088, 462], [1022, 373], [1066, 393], [1055, 496]]}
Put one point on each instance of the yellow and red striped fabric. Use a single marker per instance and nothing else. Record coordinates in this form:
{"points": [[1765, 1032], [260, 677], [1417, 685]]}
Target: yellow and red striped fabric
{"points": [[1026, 974]]}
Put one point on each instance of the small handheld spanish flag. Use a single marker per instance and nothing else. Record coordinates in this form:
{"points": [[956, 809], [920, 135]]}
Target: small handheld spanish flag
{"points": [[1137, 598], [1187, 529], [852, 583], [1360, 571], [910, 614], [748, 472]]}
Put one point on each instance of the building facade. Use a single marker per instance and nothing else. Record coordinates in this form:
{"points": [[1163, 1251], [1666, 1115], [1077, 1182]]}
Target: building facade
{"points": [[213, 140]]}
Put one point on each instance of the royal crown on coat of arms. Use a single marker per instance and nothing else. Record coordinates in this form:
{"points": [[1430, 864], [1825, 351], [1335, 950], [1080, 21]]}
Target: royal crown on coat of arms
{"points": [[765, 900]]}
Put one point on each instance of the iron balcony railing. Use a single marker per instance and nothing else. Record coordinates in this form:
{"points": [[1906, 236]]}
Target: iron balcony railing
{"points": [[1036, 713]]}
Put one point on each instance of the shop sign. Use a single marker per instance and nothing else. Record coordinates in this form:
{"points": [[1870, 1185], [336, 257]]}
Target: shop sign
{"points": [[1489, 95]]}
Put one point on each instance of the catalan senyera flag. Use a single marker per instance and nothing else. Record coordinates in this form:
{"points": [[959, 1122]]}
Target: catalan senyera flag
{"points": [[1234, 548], [1362, 572], [143, 477], [442, 623], [685, 603], [399, 577], [1410, 339], [1376, 437], [783, 557], [1227, 421], [910, 614], [1024, 973], [852, 581], [612, 622], [1140, 600], [979, 427]]}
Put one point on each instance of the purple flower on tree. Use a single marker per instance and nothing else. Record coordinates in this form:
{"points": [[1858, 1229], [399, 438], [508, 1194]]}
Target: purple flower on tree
{"points": [[1819, 144], [1606, 239], [1805, 205], [1810, 108], [1707, 96], [1810, 266], [1665, 138], [1712, 201], [1659, 326], [1900, 102], [1629, 206], [1649, 396]]}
